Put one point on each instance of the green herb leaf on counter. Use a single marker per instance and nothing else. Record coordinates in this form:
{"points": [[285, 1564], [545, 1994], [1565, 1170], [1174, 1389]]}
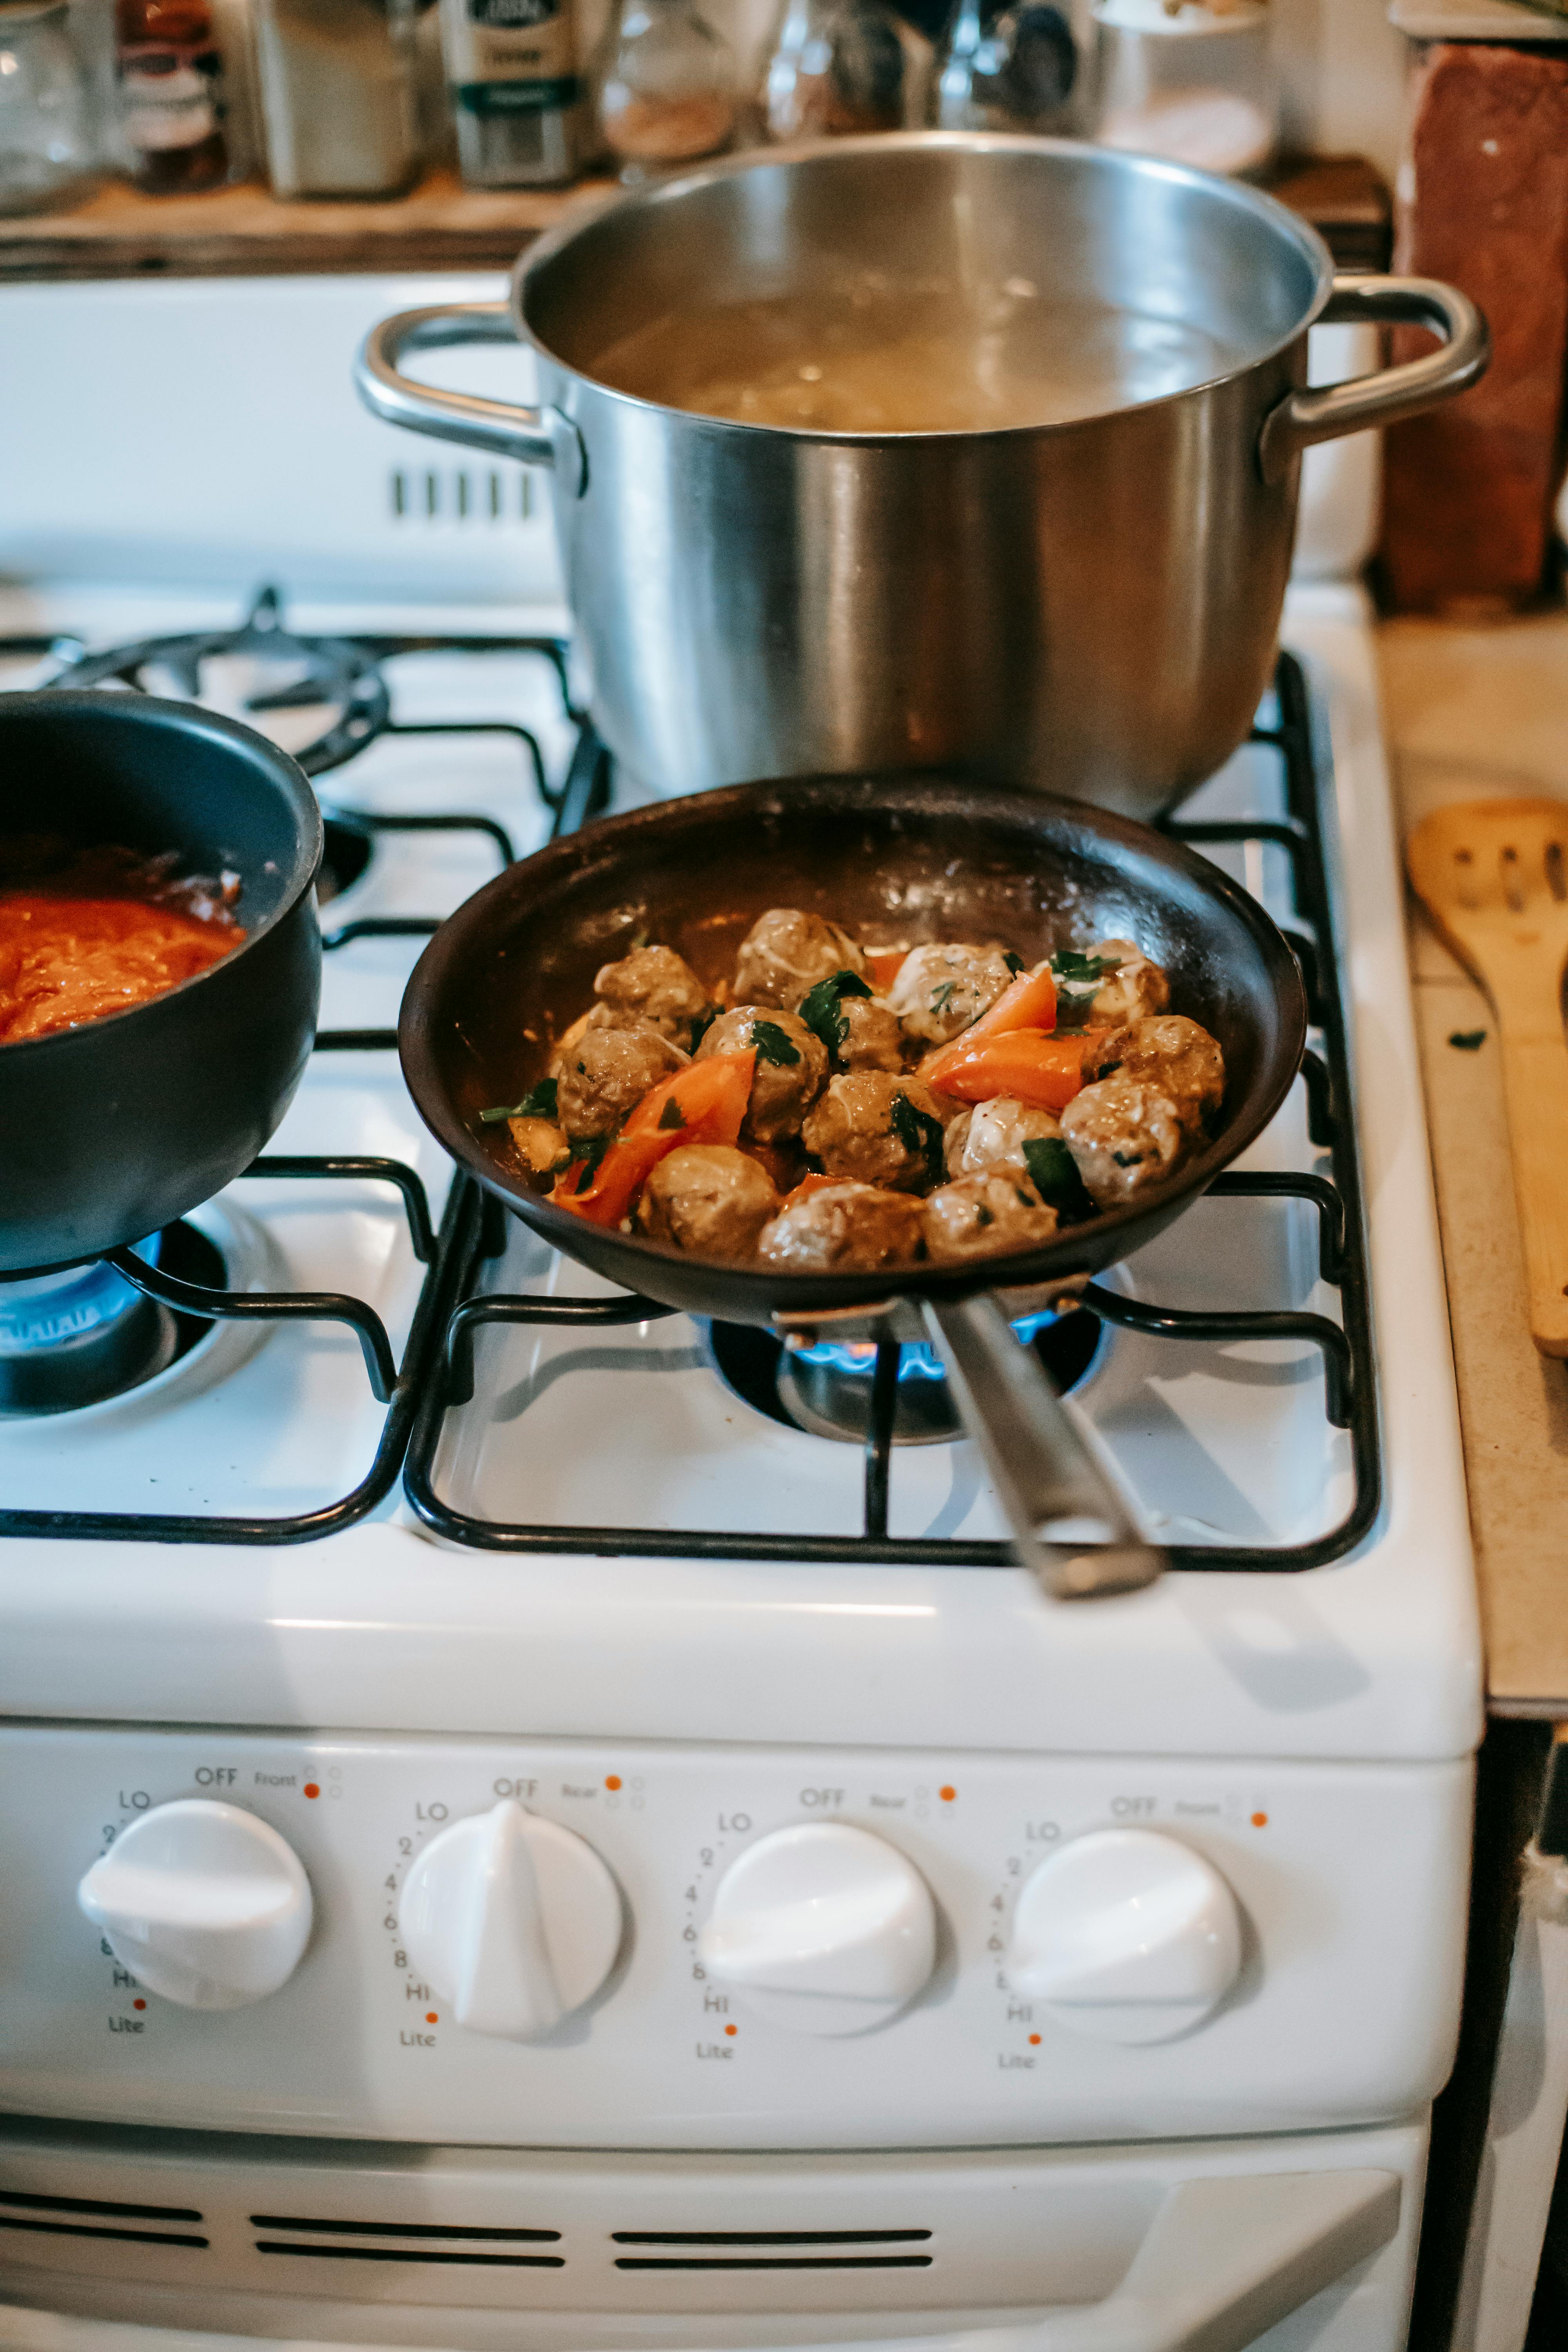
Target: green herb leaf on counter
{"points": [[1468, 1040], [1075, 971], [920, 1133], [537, 1103], [1053, 1172], [820, 1011], [671, 1116], [773, 1043]]}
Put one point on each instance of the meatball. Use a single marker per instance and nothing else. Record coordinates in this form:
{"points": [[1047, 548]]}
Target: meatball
{"points": [[659, 986], [940, 991], [785, 954], [709, 1198], [879, 1130], [993, 1135], [607, 1072], [1125, 1136], [981, 1215], [1173, 1054], [1136, 988], [843, 1228], [873, 1035], [792, 1067]]}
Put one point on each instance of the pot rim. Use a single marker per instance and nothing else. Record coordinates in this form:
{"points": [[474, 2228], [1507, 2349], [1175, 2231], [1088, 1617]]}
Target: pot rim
{"points": [[588, 211], [188, 718]]}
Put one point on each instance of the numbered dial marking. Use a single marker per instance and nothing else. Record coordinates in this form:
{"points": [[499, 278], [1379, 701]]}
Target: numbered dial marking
{"points": [[822, 1929], [513, 1921], [1126, 1935], [204, 1904]]}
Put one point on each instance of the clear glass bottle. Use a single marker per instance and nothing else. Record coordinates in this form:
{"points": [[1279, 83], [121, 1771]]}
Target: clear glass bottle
{"points": [[337, 95], [666, 90], [836, 67], [47, 148], [1190, 79], [1008, 67], [520, 106], [170, 95]]}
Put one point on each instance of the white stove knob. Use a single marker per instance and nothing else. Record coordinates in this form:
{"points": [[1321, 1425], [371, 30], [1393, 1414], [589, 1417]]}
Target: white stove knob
{"points": [[822, 1929], [511, 1920], [204, 1904], [1126, 1935]]}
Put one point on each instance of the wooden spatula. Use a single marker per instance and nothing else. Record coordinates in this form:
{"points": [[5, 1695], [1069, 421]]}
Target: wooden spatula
{"points": [[1493, 875]]}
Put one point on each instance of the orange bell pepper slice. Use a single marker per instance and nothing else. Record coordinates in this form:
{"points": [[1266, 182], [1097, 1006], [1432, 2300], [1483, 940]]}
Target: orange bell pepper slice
{"points": [[1029, 1002], [805, 1188], [884, 965], [1035, 1068], [712, 1098]]}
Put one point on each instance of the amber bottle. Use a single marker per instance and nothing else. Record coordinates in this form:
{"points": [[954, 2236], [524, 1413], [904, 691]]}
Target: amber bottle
{"points": [[170, 76]]}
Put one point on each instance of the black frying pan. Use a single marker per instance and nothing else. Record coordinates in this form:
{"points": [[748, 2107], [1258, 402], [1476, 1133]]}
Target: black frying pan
{"points": [[896, 861]]}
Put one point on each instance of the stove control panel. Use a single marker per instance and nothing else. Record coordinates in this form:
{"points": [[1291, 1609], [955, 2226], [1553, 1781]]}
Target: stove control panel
{"points": [[615, 1945]]}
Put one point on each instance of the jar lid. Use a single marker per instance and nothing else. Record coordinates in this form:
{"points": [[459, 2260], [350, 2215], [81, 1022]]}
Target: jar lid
{"points": [[1192, 17]]}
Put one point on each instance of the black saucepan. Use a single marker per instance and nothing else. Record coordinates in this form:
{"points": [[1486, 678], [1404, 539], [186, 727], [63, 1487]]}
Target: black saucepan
{"points": [[112, 1130], [896, 861]]}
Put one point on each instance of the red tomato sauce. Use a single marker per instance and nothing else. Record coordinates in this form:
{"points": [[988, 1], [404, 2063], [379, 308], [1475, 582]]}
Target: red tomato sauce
{"points": [[85, 932]]}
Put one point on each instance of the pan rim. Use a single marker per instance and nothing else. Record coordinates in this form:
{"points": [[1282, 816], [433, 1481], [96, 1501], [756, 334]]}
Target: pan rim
{"points": [[1060, 1260]]}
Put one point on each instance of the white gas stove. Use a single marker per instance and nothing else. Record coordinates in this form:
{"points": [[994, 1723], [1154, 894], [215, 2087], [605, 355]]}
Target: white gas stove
{"points": [[537, 1717]]}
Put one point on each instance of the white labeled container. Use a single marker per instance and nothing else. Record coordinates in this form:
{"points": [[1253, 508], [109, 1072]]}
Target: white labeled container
{"points": [[1196, 83]]}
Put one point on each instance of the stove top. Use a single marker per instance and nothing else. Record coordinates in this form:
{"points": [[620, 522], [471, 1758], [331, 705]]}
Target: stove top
{"points": [[350, 1358]]}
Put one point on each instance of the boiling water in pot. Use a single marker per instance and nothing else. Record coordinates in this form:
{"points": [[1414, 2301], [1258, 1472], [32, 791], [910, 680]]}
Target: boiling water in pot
{"points": [[877, 355]]}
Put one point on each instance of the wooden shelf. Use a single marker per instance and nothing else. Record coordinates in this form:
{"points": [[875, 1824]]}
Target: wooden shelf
{"points": [[244, 232]]}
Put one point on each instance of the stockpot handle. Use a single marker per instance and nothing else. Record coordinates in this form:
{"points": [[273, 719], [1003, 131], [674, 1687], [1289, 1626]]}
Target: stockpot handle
{"points": [[1304, 417], [1071, 1525], [534, 436]]}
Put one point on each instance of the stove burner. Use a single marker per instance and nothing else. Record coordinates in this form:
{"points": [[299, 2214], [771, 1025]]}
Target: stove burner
{"points": [[346, 851], [826, 1389], [73, 1338], [260, 672]]}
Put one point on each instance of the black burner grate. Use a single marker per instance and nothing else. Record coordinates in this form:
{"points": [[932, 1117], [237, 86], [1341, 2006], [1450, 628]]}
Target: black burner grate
{"points": [[1350, 1376]]}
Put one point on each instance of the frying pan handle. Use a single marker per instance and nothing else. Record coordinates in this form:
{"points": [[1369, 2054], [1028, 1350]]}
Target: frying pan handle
{"points": [[1382, 398], [536, 436], [1071, 1525]]}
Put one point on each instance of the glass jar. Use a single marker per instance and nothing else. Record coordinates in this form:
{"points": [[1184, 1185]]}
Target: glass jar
{"points": [[836, 67], [1194, 82], [666, 90], [337, 95], [47, 151], [511, 77], [1008, 67], [170, 95]]}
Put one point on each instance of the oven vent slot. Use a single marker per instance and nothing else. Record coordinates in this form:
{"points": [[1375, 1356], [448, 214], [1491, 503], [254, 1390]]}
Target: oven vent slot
{"points": [[462, 497], [475, 2244], [44, 2216], [765, 2250]]}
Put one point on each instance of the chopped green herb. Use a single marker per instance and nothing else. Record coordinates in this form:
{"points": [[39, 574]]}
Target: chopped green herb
{"points": [[702, 1025], [1053, 1172], [1468, 1040], [1075, 971], [982, 1215], [1126, 1159], [820, 1011], [1014, 963], [773, 1043], [587, 1150], [672, 1115], [940, 998], [537, 1103], [919, 1133], [1024, 1196]]}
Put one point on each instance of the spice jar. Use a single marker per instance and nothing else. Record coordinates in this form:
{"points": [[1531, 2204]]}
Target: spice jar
{"points": [[45, 144], [337, 95], [667, 87], [170, 95], [836, 67], [512, 74], [1190, 79], [1008, 67]]}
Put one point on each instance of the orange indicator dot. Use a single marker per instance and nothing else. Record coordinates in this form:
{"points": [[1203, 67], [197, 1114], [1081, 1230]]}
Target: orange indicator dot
{"points": [[1034, 2041], [612, 1780], [1260, 1820], [138, 2004], [732, 2029], [432, 2017], [312, 1790], [947, 1795]]}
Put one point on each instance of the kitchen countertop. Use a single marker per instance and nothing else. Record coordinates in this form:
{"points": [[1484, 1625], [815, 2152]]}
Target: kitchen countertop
{"points": [[1478, 712]]}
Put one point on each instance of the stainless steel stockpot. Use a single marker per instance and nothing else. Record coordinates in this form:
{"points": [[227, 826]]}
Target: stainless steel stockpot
{"points": [[1088, 608]]}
